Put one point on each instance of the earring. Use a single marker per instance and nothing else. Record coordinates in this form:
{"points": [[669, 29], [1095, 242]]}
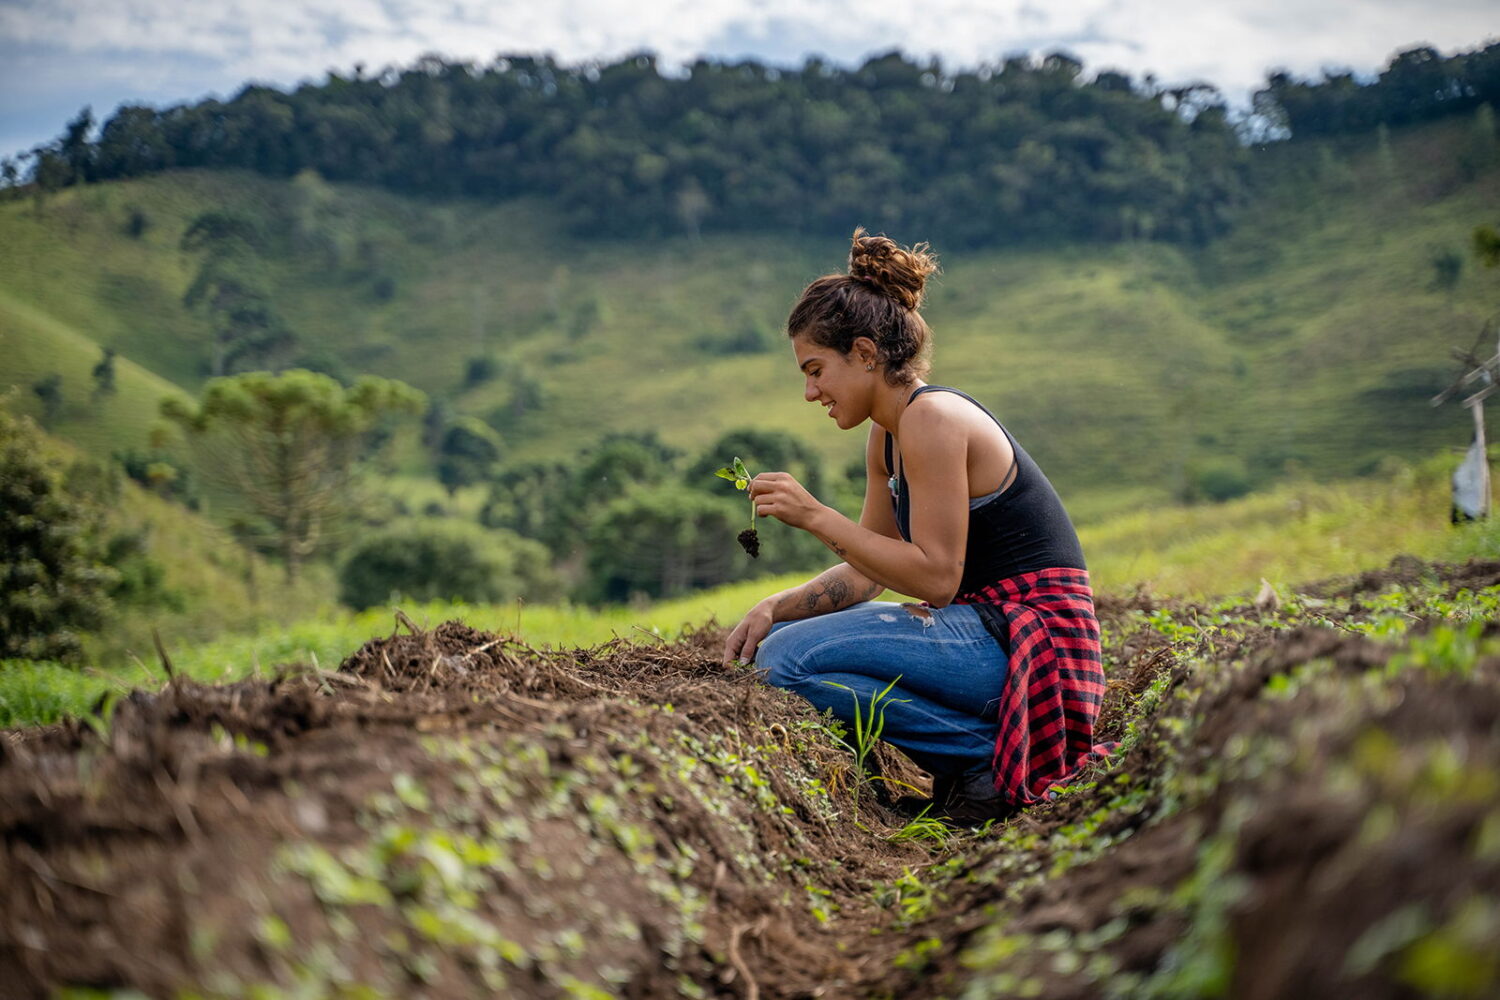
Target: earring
{"points": [[869, 368]]}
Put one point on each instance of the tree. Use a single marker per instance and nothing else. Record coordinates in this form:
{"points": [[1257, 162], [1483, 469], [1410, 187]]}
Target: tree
{"points": [[618, 462], [659, 541], [286, 445], [468, 453], [765, 450], [48, 389], [104, 374], [53, 579], [132, 142], [622, 149], [76, 150], [525, 498]]}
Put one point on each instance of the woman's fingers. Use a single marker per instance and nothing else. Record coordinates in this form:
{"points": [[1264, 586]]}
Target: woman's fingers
{"points": [[769, 482], [734, 646], [779, 495], [753, 637], [746, 637], [771, 491]]}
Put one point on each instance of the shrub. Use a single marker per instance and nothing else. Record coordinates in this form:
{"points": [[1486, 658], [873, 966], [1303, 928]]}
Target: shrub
{"points": [[162, 474], [445, 560], [749, 337], [54, 582], [1218, 479], [482, 368], [137, 222]]}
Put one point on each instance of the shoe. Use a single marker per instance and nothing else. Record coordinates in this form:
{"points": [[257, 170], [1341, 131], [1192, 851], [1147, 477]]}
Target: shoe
{"points": [[969, 798]]}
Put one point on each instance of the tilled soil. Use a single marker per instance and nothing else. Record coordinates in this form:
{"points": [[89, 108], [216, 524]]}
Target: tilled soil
{"points": [[1298, 810]]}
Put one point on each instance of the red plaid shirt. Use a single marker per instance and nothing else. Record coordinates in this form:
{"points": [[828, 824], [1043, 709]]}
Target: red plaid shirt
{"points": [[1055, 682]]}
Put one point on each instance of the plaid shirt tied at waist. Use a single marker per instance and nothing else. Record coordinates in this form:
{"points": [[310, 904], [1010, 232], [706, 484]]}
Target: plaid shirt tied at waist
{"points": [[1055, 682]]}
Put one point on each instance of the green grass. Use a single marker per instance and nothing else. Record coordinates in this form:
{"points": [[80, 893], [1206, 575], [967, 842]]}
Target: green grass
{"points": [[36, 343], [1292, 534]]}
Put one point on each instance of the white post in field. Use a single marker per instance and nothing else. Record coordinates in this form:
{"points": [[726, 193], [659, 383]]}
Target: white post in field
{"points": [[1477, 408], [1486, 375]]}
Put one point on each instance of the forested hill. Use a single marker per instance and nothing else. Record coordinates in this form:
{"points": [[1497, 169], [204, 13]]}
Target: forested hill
{"points": [[989, 156], [1029, 148]]}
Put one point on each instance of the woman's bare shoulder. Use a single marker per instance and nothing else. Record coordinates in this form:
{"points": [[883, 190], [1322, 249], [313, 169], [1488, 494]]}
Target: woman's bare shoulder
{"points": [[940, 412]]}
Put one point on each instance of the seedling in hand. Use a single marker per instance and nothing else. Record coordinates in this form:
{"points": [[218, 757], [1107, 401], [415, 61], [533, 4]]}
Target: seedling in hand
{"points": [[749, 539]]}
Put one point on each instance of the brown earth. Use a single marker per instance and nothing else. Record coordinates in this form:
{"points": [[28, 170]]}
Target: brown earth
{"points": [[455, 814]]}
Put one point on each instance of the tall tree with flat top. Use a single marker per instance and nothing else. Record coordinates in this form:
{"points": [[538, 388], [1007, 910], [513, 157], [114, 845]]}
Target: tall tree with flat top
{"points": [[287, 444]]}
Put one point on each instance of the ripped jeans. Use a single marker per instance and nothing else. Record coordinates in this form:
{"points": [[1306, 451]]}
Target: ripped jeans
{"points": [[943, 710]]}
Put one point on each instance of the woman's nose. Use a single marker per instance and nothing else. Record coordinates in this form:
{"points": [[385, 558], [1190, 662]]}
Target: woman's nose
{"points": [[810, 392]]}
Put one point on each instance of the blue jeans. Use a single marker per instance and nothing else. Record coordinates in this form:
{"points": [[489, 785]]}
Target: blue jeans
{"points": [[951, 672]]}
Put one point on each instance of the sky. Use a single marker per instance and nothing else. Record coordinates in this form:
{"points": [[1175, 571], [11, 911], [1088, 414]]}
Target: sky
{"points": [[58, 55]]}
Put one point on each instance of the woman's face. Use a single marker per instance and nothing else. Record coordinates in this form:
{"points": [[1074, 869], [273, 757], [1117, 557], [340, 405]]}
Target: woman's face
{"points": [[836, 381]]}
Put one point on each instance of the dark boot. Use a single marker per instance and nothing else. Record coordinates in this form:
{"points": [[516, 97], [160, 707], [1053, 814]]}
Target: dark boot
{"points": [[969, 798]]}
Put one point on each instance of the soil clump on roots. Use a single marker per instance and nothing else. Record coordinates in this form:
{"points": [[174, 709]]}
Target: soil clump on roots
{"points": [[1303, 803], [749, 540]]}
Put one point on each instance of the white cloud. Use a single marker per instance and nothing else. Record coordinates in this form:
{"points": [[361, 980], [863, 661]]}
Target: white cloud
{"points": [[216, 46]]}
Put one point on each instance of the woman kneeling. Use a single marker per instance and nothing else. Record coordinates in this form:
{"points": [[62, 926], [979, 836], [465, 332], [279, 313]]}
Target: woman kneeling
{"points": [[998, 676]]}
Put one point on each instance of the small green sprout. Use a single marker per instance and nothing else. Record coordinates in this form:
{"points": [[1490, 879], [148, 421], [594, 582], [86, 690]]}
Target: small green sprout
{"points": [[749, 539], [867, 729]]}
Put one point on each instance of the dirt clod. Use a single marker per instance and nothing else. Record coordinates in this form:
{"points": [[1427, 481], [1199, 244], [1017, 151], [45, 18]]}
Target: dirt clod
{"points": [[749, 540]]}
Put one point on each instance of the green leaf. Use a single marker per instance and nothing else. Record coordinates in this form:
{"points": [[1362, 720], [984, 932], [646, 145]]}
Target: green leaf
{"points": [[727, 473], [739, 469], [740, 484]]}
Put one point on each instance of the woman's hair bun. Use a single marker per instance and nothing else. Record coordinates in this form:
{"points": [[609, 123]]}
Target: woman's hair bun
{"points": [[890, 269]]}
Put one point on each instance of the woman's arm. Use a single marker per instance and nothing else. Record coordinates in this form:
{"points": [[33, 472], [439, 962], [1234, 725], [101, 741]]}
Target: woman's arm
{"points": [[931, 565], [844, 586], [834, 589]]}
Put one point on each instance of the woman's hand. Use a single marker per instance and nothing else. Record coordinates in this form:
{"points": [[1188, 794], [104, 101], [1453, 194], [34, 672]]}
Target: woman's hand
{"points": [[779, 495], [747, 635]]}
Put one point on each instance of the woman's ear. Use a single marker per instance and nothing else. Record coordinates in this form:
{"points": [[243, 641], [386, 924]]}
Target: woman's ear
{"points": [[864, 352]]}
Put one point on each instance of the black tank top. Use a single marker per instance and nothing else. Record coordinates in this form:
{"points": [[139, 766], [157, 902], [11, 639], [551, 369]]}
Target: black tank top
{"points": [[1019, 529]]}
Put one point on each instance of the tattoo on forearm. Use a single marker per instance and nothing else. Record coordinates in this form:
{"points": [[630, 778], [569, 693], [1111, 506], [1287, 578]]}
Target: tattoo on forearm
{"points": [[835, 546], [835, 593]]}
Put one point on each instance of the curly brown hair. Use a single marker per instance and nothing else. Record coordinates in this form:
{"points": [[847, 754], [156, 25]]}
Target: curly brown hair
{"points": [[878, 298]]}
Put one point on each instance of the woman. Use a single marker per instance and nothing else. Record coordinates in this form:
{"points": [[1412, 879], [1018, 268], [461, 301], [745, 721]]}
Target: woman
{"points": [[999, 667]]}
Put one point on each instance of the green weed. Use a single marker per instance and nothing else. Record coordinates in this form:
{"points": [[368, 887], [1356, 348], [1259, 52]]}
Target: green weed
{"points": [[923, 827]]}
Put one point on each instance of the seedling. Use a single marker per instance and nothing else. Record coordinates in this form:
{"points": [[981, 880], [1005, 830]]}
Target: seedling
{"points": [[749, 539], [923, 827], [867, 729]]}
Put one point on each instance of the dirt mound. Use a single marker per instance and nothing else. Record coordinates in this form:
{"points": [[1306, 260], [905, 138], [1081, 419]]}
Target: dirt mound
{"points": [[450, 809], [1304, 805], [1409, 571], [1318, 818]]}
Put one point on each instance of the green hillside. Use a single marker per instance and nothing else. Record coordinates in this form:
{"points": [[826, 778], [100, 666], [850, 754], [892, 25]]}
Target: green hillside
{"points": [[1312, 335]]}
